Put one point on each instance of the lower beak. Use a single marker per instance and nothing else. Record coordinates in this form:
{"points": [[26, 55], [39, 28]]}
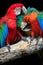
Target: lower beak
{"points": [[27, 30]]}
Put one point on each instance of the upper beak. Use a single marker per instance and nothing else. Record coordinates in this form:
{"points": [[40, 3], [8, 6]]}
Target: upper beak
{"points": [[23, 24], [24, 10], [25, 27]]}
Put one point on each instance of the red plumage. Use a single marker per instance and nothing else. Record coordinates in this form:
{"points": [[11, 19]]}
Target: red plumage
{"points": [[35, 28], [10, 19]]}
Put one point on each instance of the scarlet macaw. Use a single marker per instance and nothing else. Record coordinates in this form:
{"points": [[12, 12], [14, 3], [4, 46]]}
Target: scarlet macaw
{"points": [[11, 19], [33, 21]]}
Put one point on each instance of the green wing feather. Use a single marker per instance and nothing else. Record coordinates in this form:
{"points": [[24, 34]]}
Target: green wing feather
{"points": [[19, 20]]}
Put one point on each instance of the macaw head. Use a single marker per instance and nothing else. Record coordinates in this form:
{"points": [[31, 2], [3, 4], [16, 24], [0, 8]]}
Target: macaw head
{"points": [[24, 26], [27, 21], [17, 8]]}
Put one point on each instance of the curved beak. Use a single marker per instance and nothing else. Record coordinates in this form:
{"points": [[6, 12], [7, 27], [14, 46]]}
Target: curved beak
{"points": [[25, 27], [24, 10]]}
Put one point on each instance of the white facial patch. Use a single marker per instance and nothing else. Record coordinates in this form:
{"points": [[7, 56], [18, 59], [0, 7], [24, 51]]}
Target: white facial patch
{"points": [[24, 10], [17, 11], [23, 24]]}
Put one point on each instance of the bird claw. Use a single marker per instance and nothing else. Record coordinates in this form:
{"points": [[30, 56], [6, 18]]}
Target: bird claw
{"points": [[37, 40], [24, 38], [8, 46], [31, 39]]}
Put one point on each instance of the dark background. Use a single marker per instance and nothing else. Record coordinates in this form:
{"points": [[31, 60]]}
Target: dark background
{"points": [[4, 4]]}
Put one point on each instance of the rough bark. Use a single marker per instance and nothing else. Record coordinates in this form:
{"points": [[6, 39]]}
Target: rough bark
{"points": [[20, 49]]}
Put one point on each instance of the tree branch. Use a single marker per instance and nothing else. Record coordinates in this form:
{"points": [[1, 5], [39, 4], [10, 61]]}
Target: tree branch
{"points": [[19, 49]]}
